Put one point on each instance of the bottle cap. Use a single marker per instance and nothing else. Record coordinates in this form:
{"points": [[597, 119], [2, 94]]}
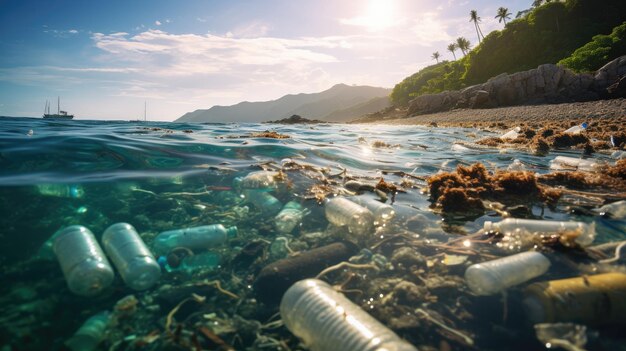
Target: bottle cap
{"points": [[584, 125], [232, 232]]}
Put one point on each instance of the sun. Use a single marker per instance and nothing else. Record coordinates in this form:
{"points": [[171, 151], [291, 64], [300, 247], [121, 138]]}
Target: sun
{"points": [[380, 14]]}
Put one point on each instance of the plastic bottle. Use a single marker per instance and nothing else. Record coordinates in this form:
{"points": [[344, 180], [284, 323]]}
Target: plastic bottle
{"points": [[616, 210], [289, 217], [263, 201], [492, 277], [61, 190], [259, 180], [382, 211], [131, 257], [586, 232], [516, 165], [90, 334], [325, 320], [576, 129], [86, 268], [574, 164], [341, 211], [195, 238], [593, 300], [511, 134]]}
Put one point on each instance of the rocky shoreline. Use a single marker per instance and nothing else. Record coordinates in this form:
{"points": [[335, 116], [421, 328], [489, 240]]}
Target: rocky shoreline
{"points": [[598, 112]]}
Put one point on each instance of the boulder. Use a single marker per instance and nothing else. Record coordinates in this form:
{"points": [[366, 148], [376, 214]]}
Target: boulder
{"points": [[479, 100]]}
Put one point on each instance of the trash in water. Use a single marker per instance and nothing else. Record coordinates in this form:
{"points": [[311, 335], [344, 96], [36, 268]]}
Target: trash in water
{"points": [[195, 238], [576, 129], [574, 164], [492, 277], [90, 334], [511, 134]]}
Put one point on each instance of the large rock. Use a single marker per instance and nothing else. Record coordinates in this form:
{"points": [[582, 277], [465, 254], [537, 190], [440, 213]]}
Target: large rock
{"points": [[546, 84]]}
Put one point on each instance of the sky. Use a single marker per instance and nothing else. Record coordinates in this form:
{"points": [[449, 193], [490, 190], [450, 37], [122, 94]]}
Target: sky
{"points": [[105, 59]]}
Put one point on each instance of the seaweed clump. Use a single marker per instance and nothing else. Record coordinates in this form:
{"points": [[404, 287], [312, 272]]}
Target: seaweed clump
{"points": [[464, 189], [619, 170]]}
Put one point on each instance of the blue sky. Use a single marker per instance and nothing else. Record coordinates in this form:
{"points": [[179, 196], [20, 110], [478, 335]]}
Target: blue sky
{"points": [[105, 58]]}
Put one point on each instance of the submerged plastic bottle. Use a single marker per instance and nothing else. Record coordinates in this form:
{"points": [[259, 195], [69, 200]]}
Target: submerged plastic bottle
{"points": [[195, 238], [259, 180], [594, 300], [90, 334], [341, 211], [616, 210], [131, 257], [325, 320], [576, 129], [289, 217], [492, 277], [574, 164], [86, 268], [61, 190], [511, 134], [382, 211], [263, 201], [586, 233]]}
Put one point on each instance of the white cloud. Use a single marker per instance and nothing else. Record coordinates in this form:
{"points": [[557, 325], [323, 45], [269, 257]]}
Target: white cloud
{"points": [[158, 23], [72, 31]]}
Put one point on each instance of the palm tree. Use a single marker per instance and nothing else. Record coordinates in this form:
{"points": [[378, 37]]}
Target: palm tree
{"points": [[452, 48], [463, 44], [503, 15], [474, 18], [436, 56]]}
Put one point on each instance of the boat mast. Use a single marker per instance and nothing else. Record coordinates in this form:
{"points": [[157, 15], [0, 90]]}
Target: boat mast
{"points": [[58, 105]]}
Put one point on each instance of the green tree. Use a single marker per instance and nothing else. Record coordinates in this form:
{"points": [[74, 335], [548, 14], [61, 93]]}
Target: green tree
{"points": [[503, 15], [436, 56], [452, 48], [474, 18], [463, 45]]}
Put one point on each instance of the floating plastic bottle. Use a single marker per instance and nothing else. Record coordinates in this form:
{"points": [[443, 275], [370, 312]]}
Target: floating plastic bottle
{"points": [[86, 268], [585, 233], [382, 211], [259, 180], [616, 210], [193, 263], [325, 320], [195, 238], [289, 217], [492, 277], [594, 300], [343, 212], [511, 134], [131, 257], [576, 129], [618, 155], [90, 334], [263, 201], [61, 190], [574, 164]]}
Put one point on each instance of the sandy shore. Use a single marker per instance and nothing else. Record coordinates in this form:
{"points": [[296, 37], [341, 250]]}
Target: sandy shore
{"points": [[600, 112]]}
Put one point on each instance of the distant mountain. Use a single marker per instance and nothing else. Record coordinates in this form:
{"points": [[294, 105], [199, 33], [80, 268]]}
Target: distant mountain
{"points": [[339, 103]]}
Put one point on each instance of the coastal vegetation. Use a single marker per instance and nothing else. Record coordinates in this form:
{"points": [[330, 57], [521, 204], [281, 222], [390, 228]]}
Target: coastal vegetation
{"points": [[550, 32]]}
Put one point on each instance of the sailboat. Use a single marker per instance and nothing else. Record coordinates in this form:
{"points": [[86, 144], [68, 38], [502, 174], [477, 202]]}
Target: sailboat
{"points": [[59, 115]]}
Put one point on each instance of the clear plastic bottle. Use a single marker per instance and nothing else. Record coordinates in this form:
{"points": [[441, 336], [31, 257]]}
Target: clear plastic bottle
{"points": [[341, 211], [576, 129], [289, 217], [195, 238], [617, 210], [131, 257], [511, 134], [382, 211], [325, 320], [516, 166], [574, 164], [491, 277], [90, 334], [86, 268], [259, 180], [586, 232], [61, 190], [263, 201]]}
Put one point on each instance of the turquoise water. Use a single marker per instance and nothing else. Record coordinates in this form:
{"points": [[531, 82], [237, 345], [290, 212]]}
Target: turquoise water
{"points": [[163, 176]]}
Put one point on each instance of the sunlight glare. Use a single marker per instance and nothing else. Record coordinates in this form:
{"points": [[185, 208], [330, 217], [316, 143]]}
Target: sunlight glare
{"points": [[380, 14]]}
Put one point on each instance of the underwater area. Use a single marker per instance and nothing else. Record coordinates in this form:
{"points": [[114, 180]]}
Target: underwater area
{"points": [[302, 202]]}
